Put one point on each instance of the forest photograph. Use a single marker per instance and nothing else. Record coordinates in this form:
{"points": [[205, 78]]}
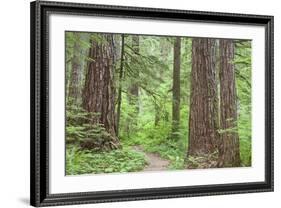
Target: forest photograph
{"points": [[139, 103]]}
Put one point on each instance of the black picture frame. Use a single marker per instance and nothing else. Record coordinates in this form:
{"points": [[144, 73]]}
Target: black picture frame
{"points": [[39, 187]]}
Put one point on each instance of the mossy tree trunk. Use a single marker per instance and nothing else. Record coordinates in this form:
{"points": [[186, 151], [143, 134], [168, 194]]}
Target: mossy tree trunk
{"points": [[203, 99], [121, 73], [176, 88], [133, 89], [99, 91], [161, 113], [229, 153]]}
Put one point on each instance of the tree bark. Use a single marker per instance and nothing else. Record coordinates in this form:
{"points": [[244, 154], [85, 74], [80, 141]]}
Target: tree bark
{"points": [[99, 92], [134, 88], [176, 88], [229, 153], [160, 111], [120, 85], [203, 98]]}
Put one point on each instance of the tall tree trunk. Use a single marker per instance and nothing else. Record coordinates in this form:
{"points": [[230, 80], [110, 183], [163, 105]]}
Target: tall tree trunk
{"points": [[133, 90], [73, 90], [229, 153], [99, 92], [160, 111], [203, 101], [176, 88], [120, 85]]}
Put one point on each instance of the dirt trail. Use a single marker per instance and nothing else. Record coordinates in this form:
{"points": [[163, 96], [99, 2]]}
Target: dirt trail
{"points": [[155, 162]]}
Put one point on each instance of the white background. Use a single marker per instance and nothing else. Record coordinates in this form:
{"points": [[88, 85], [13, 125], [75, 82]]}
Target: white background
{"points": [[14, 105]]}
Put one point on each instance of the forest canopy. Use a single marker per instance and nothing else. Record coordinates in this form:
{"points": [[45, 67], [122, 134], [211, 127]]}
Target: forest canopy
{"points": [[151, 103]]}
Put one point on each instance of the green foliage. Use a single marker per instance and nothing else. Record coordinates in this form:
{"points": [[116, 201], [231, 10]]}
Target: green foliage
{"points": [[245, 136], [82, 131], [116, 161], [243, 79]]}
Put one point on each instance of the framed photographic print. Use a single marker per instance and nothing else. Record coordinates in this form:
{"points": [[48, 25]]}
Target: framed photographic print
{"points": [[132, 103]]}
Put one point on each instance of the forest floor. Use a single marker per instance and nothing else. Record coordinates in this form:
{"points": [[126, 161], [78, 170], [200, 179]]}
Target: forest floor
{"points": [[155, 162]]}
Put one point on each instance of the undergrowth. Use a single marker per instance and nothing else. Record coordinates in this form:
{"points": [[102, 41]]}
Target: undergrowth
{"points": [[79, 161]]}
